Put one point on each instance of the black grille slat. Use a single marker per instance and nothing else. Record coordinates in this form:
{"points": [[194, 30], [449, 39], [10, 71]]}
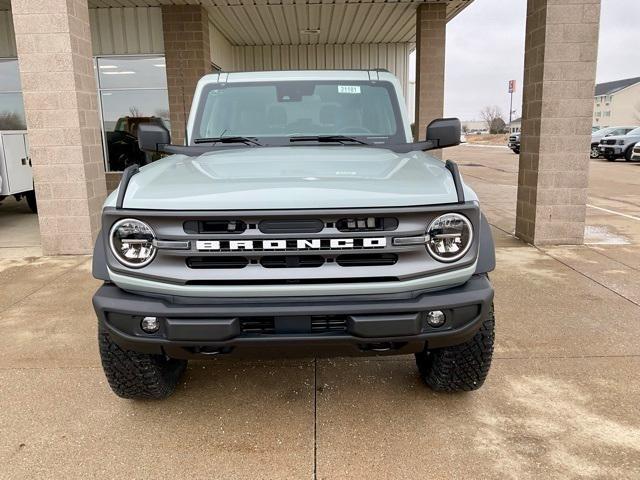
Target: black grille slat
{"points": [[291, 226], [292, 261], [257, 325], [217, 262], [367, 224], [226, 226], [319, 324], [328, 324], [367, 260]]}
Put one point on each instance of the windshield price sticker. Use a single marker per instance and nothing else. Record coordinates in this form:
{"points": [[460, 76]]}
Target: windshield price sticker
{"points": [[353, 89]]}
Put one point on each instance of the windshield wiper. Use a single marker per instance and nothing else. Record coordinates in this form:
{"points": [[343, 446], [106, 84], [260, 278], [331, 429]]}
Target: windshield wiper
{"points": [[327, 139], [245, 140]]}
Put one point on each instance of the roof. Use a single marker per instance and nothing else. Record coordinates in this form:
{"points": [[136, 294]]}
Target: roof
{"points": [[303, 22], [301, 75], [609, 88]]}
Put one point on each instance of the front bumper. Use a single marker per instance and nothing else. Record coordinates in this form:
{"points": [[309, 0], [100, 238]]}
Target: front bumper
{"points": [[610, 150], [346, 325]]}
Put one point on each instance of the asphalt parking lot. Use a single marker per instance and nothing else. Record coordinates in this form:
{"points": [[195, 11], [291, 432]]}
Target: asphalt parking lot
{"points": [[561, 400]]}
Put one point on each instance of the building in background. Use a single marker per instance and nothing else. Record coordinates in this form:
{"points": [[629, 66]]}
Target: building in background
{"points": [[515, 126], [617, 103]]}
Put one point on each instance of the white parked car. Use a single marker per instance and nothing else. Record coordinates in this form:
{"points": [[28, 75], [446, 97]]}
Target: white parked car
{"points": [[596, 137]]}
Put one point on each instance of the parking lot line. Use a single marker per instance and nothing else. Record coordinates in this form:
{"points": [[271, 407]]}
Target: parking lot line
{"points": [[615, 213]]}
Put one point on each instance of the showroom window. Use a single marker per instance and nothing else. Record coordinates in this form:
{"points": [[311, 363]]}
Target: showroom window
{"points": [[11, 103], [132, 91]]}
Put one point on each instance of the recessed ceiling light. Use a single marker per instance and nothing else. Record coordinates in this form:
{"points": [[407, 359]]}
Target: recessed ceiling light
{"points": [[159, 65], [104, 67], [119, 73], [310, 31]]}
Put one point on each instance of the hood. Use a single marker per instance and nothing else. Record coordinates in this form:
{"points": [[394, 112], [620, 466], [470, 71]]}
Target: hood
{"points": [[627, 137], [291, 177]]}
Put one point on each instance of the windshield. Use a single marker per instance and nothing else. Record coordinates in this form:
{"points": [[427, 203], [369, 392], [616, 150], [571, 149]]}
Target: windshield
{"points": [[274, 112], [604, 131], [635, 132]]}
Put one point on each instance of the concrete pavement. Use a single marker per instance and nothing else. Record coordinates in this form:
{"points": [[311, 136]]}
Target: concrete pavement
{"points": [[561, 400]]}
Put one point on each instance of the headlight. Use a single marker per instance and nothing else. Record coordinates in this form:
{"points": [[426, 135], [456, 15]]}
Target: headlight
{"points": [[449, 237], [131, 242], [620, 142]]}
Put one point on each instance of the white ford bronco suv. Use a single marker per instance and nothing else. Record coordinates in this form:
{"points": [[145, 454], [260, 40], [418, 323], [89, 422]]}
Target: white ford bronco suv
{"points": [[299, 217]]}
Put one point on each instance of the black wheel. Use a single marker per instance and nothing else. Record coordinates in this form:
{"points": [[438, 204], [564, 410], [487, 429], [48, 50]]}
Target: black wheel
{"points": [[461, 368], [138, 375], [610, 158], [516, 151], [31, 201], [628, 154], [595, 153]]}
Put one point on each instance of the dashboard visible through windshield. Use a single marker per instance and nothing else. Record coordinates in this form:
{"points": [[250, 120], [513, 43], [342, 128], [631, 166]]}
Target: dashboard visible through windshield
{"points": [[275, 113]]}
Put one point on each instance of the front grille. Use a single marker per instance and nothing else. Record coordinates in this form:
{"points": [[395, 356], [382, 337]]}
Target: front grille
{"points": [[284, 248]]}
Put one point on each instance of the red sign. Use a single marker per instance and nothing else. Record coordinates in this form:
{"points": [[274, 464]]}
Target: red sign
{"points": [[512, 86]]}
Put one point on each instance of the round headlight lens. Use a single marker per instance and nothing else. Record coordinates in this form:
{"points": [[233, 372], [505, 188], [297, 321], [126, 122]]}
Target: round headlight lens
{"points": [[449, 237], [132, 242]]}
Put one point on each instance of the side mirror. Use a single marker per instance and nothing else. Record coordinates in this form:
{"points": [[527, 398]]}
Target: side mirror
{"points": [[151, 138], [444, 132]]}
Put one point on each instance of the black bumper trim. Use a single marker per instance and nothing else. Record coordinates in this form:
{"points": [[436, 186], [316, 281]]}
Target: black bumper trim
{"points": [[188, 330]]}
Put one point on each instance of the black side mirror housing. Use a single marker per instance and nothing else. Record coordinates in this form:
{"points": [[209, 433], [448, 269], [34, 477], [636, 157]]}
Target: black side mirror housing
{"points": [[444, 132], [151, 138]]}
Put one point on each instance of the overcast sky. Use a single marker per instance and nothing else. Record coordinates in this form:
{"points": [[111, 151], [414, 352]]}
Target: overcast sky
{"points": [[485, 49]]}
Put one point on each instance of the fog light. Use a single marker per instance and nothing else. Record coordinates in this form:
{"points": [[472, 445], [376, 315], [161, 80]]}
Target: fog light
{"points": [[435, 318], [150, 324]]}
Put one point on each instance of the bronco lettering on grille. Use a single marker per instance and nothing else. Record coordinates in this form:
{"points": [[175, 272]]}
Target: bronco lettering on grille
{"points": [[296, 244]]}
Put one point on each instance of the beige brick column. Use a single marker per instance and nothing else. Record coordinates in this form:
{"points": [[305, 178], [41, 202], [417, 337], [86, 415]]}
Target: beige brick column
{"points": [[431, 33], [188, 58], [59, 87], [560, 69]]}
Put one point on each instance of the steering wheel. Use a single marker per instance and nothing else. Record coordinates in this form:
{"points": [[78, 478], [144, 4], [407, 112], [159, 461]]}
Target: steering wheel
{"points": [[354, 130]]}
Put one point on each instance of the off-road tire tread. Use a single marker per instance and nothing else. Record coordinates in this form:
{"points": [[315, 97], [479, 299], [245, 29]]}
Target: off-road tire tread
{"points": [[138, 375], [460, 368]]}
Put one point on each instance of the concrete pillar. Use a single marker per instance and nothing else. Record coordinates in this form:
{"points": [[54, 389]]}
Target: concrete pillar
{"points": [[560, 69], [431, 33], [59, 87], [188, 58]]}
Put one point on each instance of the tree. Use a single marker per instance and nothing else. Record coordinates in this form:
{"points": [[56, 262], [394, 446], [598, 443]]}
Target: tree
{"points": [[493, 118]]}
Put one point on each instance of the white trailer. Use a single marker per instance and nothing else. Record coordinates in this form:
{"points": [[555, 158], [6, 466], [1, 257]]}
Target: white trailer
{"points": [[16, 172]]}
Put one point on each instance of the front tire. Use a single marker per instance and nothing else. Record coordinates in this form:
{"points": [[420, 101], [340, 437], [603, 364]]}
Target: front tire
{"points": [[628, 154], [460, 368], [595, 153], [138, 375], [31, 201]]}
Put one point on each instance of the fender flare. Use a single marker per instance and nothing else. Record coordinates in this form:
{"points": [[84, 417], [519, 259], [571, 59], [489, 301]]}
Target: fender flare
{"points": [[486, 248], [99, 262]]}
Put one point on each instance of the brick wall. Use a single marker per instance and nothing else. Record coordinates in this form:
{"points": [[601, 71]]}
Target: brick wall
{"points": [[560, 67], [431, 31], [58, 82], [188, 58]]}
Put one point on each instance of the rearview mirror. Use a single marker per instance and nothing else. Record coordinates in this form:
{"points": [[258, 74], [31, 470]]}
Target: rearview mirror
{"points": [[151, 138], [444, 132]]}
